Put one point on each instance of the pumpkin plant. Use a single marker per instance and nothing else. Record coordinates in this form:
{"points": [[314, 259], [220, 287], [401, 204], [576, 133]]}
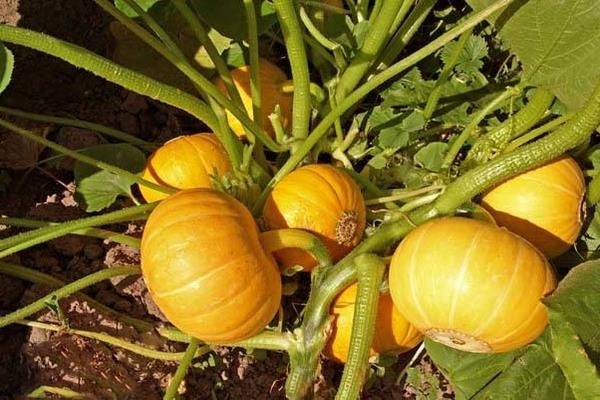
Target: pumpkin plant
{"points": [[411, 99]]}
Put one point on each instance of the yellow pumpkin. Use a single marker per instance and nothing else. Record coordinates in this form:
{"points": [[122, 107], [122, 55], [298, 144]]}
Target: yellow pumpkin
{"points": [[322, 200], [271, 80], [393, 333], [185, 162], [205, 268], [543, 205], [471, 285]]}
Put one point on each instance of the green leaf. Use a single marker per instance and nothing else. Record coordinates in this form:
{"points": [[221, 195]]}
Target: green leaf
{"points": [[7, 64], [431, 156], [410, 90], [558, 42], [533, 375], [468, 372], [470, 58], [97, 189], [576, 299], [570, 354]]}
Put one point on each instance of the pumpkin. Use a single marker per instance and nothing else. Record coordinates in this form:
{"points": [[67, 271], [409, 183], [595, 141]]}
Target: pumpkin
{"points": [[543, 205], [185, 162], [393, 333], [471, 285], [271, 80], [205, 269], [322, 200]]}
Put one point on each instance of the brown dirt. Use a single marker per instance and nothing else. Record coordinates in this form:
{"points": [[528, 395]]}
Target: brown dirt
{"points": [[32, 357]]}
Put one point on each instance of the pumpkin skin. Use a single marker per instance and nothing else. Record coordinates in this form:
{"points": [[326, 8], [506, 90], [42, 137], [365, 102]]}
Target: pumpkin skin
{"points": [[542, 205], [322, 200], [271, 80], [205, 269], [393, 333], [185, 162], [471, 285]]}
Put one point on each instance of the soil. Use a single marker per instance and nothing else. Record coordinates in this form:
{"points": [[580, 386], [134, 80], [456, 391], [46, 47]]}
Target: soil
{"points": [[32, 357]]}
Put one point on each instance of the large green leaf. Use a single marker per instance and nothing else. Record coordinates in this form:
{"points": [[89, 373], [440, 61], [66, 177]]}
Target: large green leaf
{"points": [[558, 42], [468, 372], [7, 63]]}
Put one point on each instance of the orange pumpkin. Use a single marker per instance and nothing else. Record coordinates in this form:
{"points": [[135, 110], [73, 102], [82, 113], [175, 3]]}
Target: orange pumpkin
{"points": [[185, 162], [393, 333], [205, 269], [471, 285], [322, 200], [271, 80], [542, 205]]}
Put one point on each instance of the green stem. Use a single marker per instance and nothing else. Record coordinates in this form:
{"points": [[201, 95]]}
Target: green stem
{"points": [[185, 363], [314, 31], [25, 240], [272, 241], [370, 269], [436, 92], [251, 26], [535, 133], [112, 72], [41, 392], [404, 34], [30, 275], [65, 291], [458, 143], [294, 43], [109, 339], [375, 39], [117, 134], [93, 232], [322, 128]]}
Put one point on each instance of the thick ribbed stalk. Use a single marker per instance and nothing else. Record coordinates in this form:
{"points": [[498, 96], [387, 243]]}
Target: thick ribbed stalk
{"points": [[294, 43], [370, 269], [375, 39]]}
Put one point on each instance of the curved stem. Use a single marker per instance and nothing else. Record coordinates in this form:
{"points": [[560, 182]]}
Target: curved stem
{"points": [[65, 291], [279, 239], [535, 133], [30, 275], [188, 356], [436, 92], [474, 123], [109, 339], [105, 130], [129, 79], [25, 240], [92, 232], [370, 269], [294, 43], [375, 39]]}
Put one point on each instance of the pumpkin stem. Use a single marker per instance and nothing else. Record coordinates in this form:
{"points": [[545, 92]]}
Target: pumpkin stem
{"points": [[280, 239]]}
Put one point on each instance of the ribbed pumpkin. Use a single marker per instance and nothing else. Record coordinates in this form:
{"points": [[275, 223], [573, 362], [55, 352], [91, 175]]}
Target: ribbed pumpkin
{"points": [[205, 269], [393, 333], [271, 80], [471, 285], [185, 162], [320, 199], [542, 205]]}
